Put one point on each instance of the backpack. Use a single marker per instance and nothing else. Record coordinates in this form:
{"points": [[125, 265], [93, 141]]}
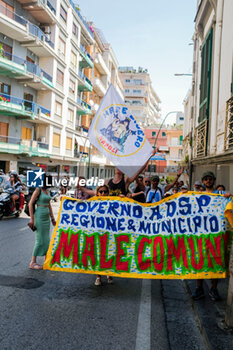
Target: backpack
{"points": [[26, 209]]}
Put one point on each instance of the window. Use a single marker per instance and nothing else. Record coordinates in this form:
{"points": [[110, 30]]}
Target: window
{"points": [[10, 13], [138, 81], [180, 153], [63, 13], [60, 77], [70, 115], [28, 101], [181, 139], [153, 133], [58, 108], [69, 143], [62, 47], [75, 29], [4, 129], [6, 51], [163, 134], [127, 80], [126, 90], [73, 59], [206, 59], [72, 87], [26, 133], [5, 88], [56, 139], [137, 91]]}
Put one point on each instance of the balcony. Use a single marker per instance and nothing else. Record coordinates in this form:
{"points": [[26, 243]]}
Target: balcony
{"points": [[18, 68], [83, 22], [85, 108], [41, 10], [87, 60], [28, 148], [27, 33], [85, 84], [14, 106], [228, 137], [20, 108], [200, 139], [101, 65], [99, 87]]}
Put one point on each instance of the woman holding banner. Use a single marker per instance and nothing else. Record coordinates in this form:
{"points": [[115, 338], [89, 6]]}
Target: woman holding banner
{"points": [[102, 191]]}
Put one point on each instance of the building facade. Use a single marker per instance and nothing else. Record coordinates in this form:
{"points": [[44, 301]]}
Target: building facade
{"points": [[42, 61], [208, 129], [104, 73], [168, 144], [140, 96]]}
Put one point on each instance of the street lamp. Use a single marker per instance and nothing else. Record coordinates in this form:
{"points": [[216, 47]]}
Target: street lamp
{"points": [[183, 74]]}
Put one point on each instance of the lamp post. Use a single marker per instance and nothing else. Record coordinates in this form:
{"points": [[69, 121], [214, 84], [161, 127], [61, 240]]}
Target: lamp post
{"points": [[183, 74], [161, 125]]}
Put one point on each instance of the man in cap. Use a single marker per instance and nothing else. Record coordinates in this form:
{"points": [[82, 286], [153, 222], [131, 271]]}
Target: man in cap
{"points": [[156, 192], [197, 186], [208, 180]]}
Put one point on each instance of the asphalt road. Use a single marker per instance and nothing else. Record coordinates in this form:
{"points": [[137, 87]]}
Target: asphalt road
{"points": [[47, 310]]}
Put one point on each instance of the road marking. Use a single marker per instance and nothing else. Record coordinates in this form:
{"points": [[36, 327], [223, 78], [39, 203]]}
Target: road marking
{"points": [[23, 229], [144, 318]]}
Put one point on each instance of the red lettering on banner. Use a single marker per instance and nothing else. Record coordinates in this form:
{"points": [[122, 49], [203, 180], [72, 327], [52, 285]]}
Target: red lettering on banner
{"points": [[89, 251], [214, 251], [121, 265], [158, 265], [144, 264], [104, 264], [195, 265], [177, 252], [67, 248]]}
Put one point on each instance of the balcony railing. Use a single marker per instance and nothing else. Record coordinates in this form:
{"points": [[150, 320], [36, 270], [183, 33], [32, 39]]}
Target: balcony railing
{"points": [[228, 137], [10, 14], [50, 6], [84, 51], [200, 139], [33, 29], [10, 102], [82, 19], [83, 104], [17, 145], [83, 76], [30, 67]]}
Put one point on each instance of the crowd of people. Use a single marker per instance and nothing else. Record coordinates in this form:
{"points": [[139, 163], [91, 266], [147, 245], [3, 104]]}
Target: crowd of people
{"points": [[139, 188]]}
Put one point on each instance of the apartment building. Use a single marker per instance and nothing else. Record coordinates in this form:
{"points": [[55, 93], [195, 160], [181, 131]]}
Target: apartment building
{"points": [[208, 129], [104, 73], [140, 96], [168, 143], [43, 56]]}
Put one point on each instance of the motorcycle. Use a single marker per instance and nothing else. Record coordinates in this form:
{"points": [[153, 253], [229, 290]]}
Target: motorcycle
{"points": [[6, 204]]}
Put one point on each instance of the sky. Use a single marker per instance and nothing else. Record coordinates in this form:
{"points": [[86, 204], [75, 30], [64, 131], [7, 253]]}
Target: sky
{"points": [[153, 34]]}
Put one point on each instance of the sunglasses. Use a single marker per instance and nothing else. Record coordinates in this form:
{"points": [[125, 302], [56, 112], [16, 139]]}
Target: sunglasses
{"points": [[101, 192], [147, 182]]}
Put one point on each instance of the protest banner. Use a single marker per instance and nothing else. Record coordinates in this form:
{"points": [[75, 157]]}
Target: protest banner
{"points": [[183, 236], [115, 133]]}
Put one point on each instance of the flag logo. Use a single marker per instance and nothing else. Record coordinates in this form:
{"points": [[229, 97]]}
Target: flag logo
{"points": [[120, 134]]}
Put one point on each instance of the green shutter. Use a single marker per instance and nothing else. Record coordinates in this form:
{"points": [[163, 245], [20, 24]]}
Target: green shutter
{"points": [[206, 61], [181, 139]]}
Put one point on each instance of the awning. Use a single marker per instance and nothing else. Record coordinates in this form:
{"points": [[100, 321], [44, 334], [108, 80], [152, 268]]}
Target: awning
{"points": [[81, 141], [164, 148]]}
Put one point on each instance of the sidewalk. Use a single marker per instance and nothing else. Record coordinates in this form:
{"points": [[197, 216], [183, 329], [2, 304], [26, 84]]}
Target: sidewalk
{"points": [[209, 313]]}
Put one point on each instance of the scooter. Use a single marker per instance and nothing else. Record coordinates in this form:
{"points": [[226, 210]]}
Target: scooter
{"points": [[6, 204]]}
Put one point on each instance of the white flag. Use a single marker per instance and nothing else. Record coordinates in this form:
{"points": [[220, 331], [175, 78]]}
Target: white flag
{"points": [[116, 134]]}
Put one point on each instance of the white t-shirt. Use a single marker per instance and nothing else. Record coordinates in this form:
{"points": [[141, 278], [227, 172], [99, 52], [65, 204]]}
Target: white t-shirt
{"points": [[153, 198]]}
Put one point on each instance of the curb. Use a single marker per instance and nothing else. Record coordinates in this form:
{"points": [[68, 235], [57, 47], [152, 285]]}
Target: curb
{"points": [[200, 324]]}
